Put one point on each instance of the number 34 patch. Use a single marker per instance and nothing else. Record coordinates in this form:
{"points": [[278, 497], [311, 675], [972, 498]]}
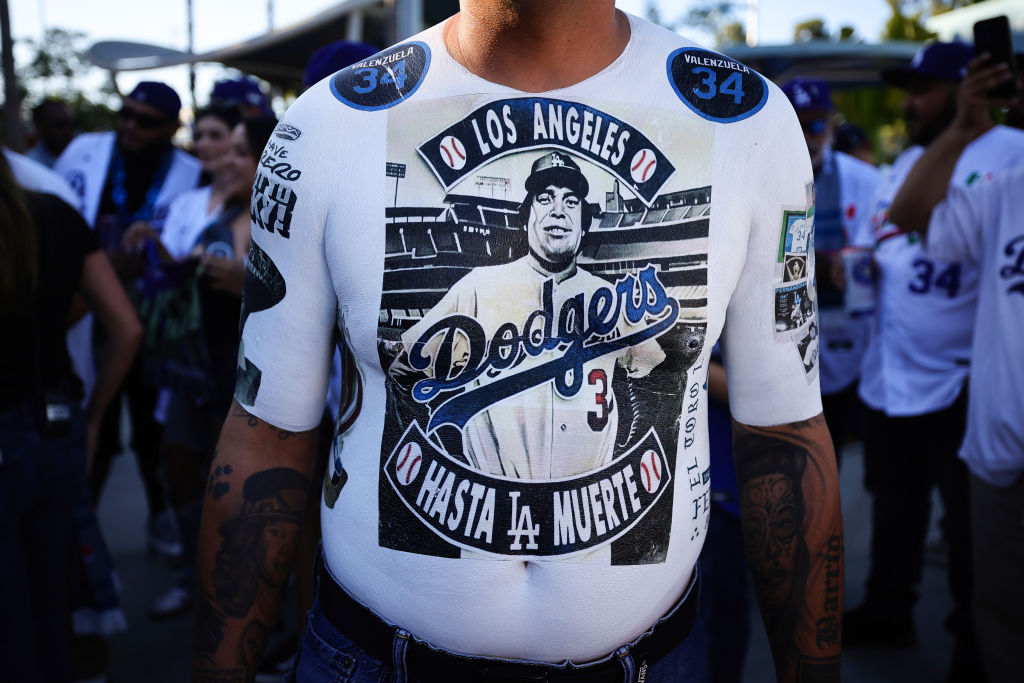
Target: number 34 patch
{"points": [[383, 80], [714, 86]]}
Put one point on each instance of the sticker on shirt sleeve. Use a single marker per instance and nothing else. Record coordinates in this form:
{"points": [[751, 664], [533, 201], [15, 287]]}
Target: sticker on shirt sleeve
{"points": [[264, 288], [714, 86], [286, 132], [793, 307], [795, 268], [796, 233], [808, 348], [272, 204], [383, 80]]}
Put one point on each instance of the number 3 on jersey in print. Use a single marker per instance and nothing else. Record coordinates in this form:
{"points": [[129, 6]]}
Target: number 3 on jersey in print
{"points": [[928, 276]]}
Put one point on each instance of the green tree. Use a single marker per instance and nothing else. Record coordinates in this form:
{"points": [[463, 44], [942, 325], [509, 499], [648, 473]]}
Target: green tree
{"points": [[56, 68], [718, 18]]}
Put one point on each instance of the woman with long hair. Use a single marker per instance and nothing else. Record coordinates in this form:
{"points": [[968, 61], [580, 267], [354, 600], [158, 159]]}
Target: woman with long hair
{"points": [[47, 255]]}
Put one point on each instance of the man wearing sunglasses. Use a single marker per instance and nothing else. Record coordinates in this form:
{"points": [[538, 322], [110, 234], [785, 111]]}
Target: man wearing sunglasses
{"points": [[124, 178], [843, 190]]}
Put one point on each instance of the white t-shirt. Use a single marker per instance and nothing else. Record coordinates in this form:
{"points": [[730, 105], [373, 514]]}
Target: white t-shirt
{"points": [[920, 350], [844, 338], [187, 216], [393, 221], [34, 176], [985, 225]]}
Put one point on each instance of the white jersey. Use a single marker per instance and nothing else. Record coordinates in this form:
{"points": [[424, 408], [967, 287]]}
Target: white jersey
{"points": [[84, 165], [983, 225], [919, 355], [845, 188], [86, 161], [388, 215], [187, 216], [34, 176]]}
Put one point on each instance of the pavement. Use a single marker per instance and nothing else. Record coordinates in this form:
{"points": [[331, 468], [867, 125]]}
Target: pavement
{"points": [[158, 652]]}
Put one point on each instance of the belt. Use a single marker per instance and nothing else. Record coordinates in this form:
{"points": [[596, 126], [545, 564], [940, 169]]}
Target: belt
{"points": [[427, 664]]}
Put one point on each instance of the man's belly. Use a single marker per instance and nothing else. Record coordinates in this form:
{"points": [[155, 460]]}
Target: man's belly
{"points": [[552, 610]]}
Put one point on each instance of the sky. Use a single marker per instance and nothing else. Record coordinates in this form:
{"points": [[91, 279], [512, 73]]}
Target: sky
{"points": [[225, 22]]}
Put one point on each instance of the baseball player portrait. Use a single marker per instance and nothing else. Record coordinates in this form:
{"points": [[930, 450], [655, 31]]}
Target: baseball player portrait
{"points": [[571, 431]]}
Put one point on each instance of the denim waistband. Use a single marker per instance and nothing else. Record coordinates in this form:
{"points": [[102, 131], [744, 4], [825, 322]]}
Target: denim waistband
{"points": [[428, 664]]}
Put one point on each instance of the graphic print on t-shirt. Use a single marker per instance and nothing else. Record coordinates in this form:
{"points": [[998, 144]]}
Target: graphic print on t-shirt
{"points": [[544, 297]]}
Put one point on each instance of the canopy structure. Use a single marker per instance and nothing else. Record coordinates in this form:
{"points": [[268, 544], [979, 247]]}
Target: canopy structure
{"points": [[279, 57], [844, 64]]}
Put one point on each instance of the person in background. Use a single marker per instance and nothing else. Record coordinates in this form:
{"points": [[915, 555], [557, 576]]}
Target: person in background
{"points": [[334, 57], [244, 93], [843, 190], [47, 255], [853, 140], [54, 127], [127, 178], [187, 440], [914, 374], [982, 224]]}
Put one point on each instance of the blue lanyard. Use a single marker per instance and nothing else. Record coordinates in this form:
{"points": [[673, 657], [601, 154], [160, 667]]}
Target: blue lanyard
{"points": [[119, 194]]}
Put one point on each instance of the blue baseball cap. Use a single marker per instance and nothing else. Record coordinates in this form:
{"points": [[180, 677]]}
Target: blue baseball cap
{"points": [[937, 61], [335, 57], [158, 95], [241, 91], [808, 94]]}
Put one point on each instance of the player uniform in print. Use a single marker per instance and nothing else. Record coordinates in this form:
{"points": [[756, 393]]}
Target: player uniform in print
{"points": [[540, 432]]}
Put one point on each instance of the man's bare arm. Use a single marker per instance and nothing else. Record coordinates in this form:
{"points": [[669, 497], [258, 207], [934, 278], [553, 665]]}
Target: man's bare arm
{"points": [[252, 513], [793, 533], [927, 183]]}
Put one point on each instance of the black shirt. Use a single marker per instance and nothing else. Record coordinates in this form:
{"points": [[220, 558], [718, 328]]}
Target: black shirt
{"points": [[64, 242]]}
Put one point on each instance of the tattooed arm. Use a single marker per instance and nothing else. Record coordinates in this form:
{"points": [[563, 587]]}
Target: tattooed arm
{"points": [[252, 513], [793, 533]]}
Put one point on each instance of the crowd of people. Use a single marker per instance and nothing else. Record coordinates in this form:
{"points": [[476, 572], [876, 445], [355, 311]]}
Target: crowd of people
{"points": [[122, 284]]}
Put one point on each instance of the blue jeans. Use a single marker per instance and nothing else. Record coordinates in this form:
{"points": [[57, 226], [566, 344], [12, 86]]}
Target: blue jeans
{"points": [[39, 481], [328, 656]]}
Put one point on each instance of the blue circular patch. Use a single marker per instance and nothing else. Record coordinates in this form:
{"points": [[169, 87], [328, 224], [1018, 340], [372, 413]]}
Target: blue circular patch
{"points": [[383, 80], [714, 86]]}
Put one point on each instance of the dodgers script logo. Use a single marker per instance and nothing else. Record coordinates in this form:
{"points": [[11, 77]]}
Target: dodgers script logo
{"points": [[544, 300], [634, 298]]}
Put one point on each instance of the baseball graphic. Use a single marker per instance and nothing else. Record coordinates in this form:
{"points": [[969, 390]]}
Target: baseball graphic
{"points": [[408, 464], [643, 165], [453, 152], [650, 471]]}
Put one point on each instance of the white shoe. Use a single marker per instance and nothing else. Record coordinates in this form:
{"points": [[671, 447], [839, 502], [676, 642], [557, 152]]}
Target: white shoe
{"points": [[173, 603]]}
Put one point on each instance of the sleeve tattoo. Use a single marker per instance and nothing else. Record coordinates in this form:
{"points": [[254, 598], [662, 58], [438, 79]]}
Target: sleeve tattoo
{"points": [[792, 531], [257, 546]]}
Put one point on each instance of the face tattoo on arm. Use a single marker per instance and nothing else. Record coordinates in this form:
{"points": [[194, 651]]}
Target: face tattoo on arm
{"points": [[781, 474]]}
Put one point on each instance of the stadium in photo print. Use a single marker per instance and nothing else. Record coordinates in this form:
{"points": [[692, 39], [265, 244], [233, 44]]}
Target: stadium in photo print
{"points": [[541, 327]]}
